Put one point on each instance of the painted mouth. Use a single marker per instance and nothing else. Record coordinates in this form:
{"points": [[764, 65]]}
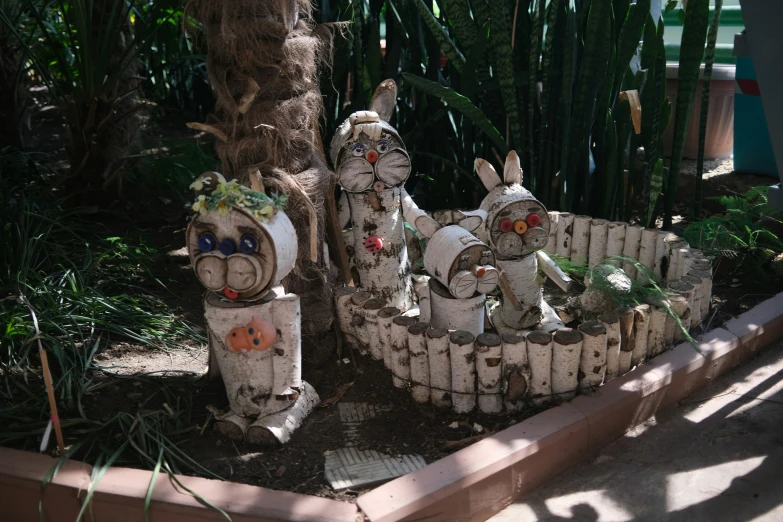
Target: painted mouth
{"points": [[231, 294]]}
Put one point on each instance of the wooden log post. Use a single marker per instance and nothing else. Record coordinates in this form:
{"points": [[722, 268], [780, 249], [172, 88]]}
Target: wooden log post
{"points": [[633, 239], [627, 339], [400, 358], [657, 328], [611, 323], [516, 371], [693, 258], [566, 354], [674, 246], [687, 290], [695, 302], [385, 318], [358, 320], [706, 292], [592, 363], [421, 288], [615, 242], [580, 247], [678, 257], [440, 366], [551, 244], [672, 331], [641, 328], [344, 311], [419, 362], [539, 356], [488, 371], [462, 351], [277, 428], [370, 311], [647, 248], [662, 253], [456, 314], [565, 236], [599, 231]]}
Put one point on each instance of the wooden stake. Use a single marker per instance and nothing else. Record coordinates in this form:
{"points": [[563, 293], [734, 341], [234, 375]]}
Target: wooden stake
{"points": [[599, 230], [566, 353], [627, 339], [462, 350], [516, 370], [419, 362], [581, 240], [488, 371], [592, 365], [539, 355], [611, 323], [440, 366], [641, 325], [633, 238], [565, 229]]}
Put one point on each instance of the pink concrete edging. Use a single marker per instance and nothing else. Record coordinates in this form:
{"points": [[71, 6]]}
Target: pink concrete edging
{"points": [[471, 484], [482, 479]]}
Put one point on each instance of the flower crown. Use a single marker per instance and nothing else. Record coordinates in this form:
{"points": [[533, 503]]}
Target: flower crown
{"points": [[230, 194]]}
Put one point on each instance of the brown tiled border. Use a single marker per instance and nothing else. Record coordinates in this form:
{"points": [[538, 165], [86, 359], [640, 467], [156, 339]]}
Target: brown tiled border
{"points": [[479, 481], [471, 484]]}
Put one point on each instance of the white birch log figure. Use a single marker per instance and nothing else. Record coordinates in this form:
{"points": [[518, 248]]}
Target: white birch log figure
{"points": [[706, 292], [695, 302], [456, 314], [565, 229], [615, 242], [462, 263], [633, 239], [672, 331], [440, 366], [627, 339], [488, 372], [647, 248], [662, 253], [371, 325], [641, 327], [419, 362], [592, 364], [372, 165], [385, 318], [551, 244], [517, 225], [400, 356], [566, 354], [539, 356], [240, 254], [599, 232], [611, 323], [462, 350], [657, 329], [580, 248], [516, 371]]}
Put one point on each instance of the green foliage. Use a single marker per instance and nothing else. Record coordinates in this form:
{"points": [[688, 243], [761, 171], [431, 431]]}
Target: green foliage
{"points": [[744, 233]]}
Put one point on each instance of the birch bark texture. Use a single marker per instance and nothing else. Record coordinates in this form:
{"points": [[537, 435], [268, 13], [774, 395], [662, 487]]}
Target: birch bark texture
{"points": [[627, 339], [695, 301], [447, 311], [440, 366], [599, 231], [522, 276], [566, 354], [647, 248], [489, 356], [371, 326], [580, 247], [657, 329], [419, 362], [385, 318], [516, 370], [400, 358], [615, 242], [462, 351], [565, 234], [592, 364], [641, 327], [633, 238], [551, 244], [611, 323], [539, 355]]}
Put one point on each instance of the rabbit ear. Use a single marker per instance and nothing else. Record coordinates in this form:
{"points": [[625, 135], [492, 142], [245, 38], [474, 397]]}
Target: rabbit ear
{"points": [[512, 171], [485, 170], [384, 100]]}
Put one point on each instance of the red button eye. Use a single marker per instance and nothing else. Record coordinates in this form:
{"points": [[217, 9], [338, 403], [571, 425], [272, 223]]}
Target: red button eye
{"points": [[373, 244], [506, 225], [533, 220]]}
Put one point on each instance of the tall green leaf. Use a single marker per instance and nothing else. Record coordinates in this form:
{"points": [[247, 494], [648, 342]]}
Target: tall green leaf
{"points": [[611, 188], [461, 104], [628, 41], [503, 63], [709, 58], [570, 51], [694, 33], [439, 32], [458, 14]]}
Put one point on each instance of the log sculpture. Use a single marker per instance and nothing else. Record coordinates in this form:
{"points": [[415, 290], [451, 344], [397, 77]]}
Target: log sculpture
{"points": [[241, 245]]}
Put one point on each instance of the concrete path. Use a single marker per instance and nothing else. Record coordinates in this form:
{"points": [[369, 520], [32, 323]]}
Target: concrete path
{"points": [[716, 457]]}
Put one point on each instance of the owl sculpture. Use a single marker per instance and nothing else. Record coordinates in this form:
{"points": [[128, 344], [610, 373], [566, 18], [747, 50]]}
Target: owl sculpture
{"points": [[241, 245]]}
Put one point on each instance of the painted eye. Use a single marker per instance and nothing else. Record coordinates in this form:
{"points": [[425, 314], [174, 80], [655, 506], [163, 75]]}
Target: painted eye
{"points": [[520, 227], [207, 242], [248, 244], [484, 260], [358, 150], [506, 225], [463, 264], [228, 247], [383, 146], [533, 220]]}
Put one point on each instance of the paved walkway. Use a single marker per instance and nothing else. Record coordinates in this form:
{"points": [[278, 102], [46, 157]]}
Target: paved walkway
{"points": [[716, 457]]}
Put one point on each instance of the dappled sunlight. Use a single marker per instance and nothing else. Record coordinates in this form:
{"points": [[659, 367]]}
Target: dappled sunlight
{"points": [[588, 506], [687, 488]]}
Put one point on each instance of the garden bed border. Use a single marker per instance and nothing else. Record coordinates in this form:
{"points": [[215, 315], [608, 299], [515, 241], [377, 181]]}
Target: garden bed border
{"points": [[471, 484]]}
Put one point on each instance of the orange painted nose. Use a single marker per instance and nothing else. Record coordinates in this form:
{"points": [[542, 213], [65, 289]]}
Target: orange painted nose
{"points": [[372, 156]]}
